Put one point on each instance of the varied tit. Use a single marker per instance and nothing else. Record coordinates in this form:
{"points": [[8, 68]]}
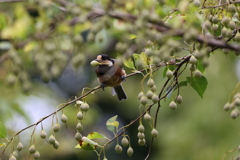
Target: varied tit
{"points": [[110, 74]]}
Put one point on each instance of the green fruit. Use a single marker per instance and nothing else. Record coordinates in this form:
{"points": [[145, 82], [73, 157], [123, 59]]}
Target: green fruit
{"points": [[140, 95], [237, 102], [150, 83], [56, 127], [169, 74], [197, 74], [192, 60], [79, 127], [118, 148], [147, 117], [155, 98], [43, 134], [12, 158], [225, 21], [234, 113], [153, 88], [232, 25], [36, 155], [64, 118], [79, 115], [19, 146], [56, 145], [231, 8], [192, 67], [215, 20], [125, 142], [149, 94], [141, 128], [197, 3], [149, 52], [143, 100], [51, 139], [141, 135], [229, 33], [154, 132], [141, 142], [130, 151], [226, 106], [78, 136], [84, 107], [173, 105], [32, 149], [179, 99], [237, 37]]}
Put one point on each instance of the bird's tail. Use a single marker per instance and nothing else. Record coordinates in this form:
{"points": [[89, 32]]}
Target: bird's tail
{"points": [[120, 92]]}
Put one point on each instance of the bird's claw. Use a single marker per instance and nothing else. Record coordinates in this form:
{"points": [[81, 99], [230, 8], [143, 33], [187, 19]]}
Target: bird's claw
{"points": [[102, 86], [123, 78]]}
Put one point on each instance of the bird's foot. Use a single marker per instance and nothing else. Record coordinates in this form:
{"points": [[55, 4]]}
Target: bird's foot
{"points": [[102, 86], [123, 78]]}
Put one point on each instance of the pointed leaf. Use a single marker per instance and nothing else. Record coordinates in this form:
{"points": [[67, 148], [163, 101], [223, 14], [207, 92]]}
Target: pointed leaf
{"points": [[112, 124], [3, 131], [2, 144], [94, 135], [129, 63], [198, 84]]}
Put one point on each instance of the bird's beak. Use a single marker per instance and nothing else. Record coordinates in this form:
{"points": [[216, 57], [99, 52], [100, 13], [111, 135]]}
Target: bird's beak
{"points": [[95, 63]]}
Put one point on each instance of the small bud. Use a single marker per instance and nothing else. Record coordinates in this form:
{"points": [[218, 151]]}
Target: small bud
{"points": [[141, 135], [56, 145], [79, 127], [193, 60], [237, 102], [79, 115], [147, 117], [141, 128], [84, 107], [118, 148], [51, 139], [149, 94], [125, 142], [56, 127], [169, 74], [12, 158], [19, 146], [154, 132], [36, 155], [143, 100], [130, 151], [197, 74], [141, 142], [64, 118], [78, 136], [43, 134], [235, 113], [226, 106], [150, 83], [140, 95], [179, 99], [32, 149], [173, 105], [155, 98], [154, 88], [192, 67]]}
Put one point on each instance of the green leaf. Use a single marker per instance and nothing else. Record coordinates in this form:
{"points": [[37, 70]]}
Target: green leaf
{"points": [[112, 124], [181, 84], [3, 131], [129, 63], [198, 84], [87, 144], [94, 135], [200, 66]]}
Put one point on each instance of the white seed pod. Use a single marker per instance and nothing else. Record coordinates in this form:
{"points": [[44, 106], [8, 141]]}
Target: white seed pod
{"points": [[78, 136], [193, 60], [143, 100], [149, 94], [155, 98], [130, 151], [154, 132], [150, 83], [84, 107], [79, 115], [141, 128], [32, 149], [179, 99], [79, 127], [56, 127], [64, 118], [19, 146], [140, 95], [118, 148], [173, 105], [36, 155], [197, 74], [141, 142], [43, 134], [125, 142], [12, 158], [51, 139], [141, 135], [147, 117], [235, 113], [56, 145], [226, 106]]}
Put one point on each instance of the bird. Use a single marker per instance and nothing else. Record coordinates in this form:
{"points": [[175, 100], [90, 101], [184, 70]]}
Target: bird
{"points": [[110, 74]]}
